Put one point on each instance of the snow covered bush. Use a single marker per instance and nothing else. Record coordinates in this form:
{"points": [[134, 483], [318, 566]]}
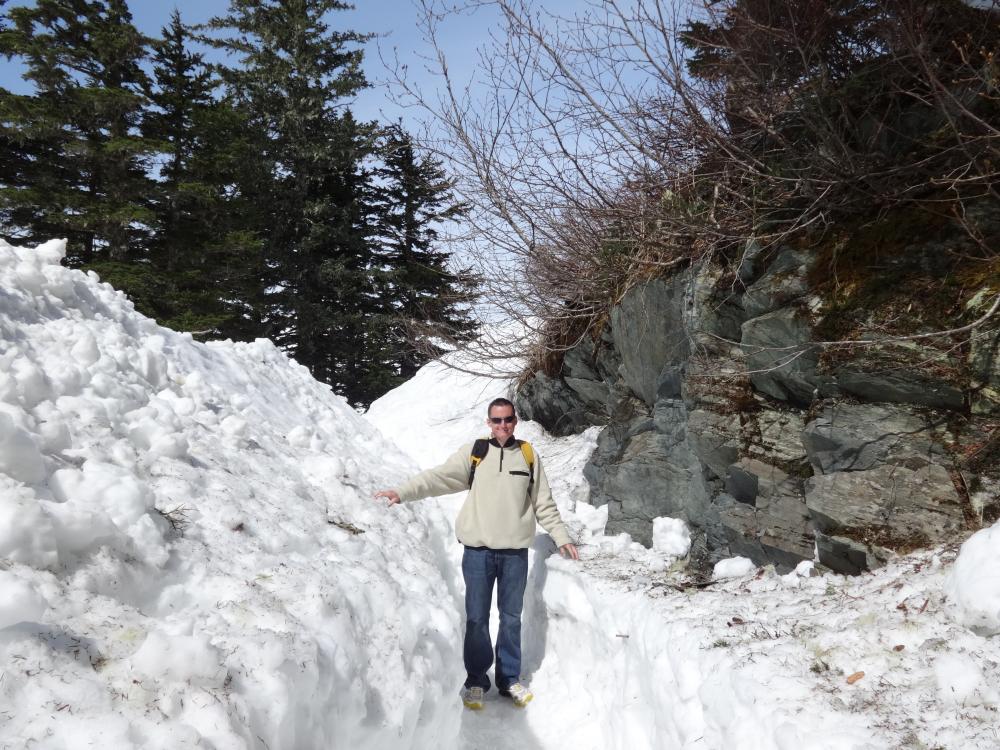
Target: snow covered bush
{"points": [[974, 584], [734, 567], [671, 537]]}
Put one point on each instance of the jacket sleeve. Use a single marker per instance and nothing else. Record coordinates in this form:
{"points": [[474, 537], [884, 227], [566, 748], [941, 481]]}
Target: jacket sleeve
{"points": [[451, 476], [545, 507]]}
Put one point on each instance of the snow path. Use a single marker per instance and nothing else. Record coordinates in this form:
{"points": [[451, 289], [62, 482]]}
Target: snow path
{"points": [[447, 408]]}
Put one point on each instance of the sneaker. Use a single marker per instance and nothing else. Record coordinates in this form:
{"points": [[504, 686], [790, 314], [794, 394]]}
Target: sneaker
{"points": [[472, 697], [519, 694]]}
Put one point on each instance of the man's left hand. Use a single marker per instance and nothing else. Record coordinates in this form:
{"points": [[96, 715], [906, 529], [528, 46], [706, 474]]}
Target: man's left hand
{"points": [[569, 550]]}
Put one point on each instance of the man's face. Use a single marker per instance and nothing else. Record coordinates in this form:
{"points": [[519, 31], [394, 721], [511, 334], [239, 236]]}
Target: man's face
{"points": [[507, 422]]}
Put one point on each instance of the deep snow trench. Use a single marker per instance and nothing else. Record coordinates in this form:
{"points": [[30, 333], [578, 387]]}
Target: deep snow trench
{"points": [[190, 557]]}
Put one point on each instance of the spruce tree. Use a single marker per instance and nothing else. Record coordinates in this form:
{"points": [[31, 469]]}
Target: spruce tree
{"points": [[425, 300], [205, 246], [87, 177], [292, 81]]}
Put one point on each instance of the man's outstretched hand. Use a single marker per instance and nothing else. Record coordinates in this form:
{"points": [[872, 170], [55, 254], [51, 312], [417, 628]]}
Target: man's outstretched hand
{"points": [[569, 550], [391, 495]]}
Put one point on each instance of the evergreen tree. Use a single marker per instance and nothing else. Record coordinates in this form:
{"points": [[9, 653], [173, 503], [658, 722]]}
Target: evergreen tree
{"points": [[181, 94], [292, 81], [768, 53], [423, 300], [78, 168], [269, 210], [205, 245]]}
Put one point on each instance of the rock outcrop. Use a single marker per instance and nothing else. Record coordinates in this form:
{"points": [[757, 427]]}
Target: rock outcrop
{"points": [[722, 408]]}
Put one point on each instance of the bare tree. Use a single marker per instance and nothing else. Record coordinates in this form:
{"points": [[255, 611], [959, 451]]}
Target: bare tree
{"points": [[634, 138]]}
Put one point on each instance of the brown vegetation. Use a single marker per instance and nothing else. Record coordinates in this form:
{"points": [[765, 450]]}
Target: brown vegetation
{"points": [[637, 138]]}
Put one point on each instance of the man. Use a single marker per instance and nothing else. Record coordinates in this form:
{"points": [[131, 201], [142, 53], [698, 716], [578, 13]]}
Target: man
{"points": [[496, 525]]}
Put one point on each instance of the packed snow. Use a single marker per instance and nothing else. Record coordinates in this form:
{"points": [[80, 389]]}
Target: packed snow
{"points": [[190, 556], [974, 584], [734, 567]]}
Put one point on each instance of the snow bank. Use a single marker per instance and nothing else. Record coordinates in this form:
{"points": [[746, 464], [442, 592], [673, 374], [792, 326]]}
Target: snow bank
{"points": [[974, 584], [190, 555], [823, 662], [665, 684]]}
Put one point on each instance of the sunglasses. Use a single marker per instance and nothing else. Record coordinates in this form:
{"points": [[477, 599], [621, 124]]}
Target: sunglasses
{"points": [[505, 420]]}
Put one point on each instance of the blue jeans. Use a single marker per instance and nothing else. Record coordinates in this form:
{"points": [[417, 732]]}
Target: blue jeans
{"points": [[481, 567]]}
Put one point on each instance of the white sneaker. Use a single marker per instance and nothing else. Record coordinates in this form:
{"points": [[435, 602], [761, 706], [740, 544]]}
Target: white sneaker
{"points": [[519, 694], [472, 697]]}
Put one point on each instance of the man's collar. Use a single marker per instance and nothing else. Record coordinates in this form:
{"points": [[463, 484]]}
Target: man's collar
{"points": [[496, 443]]}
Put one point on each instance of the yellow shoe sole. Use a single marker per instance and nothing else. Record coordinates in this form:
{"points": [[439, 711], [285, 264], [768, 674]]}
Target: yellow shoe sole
{"points": [[521, 703]]}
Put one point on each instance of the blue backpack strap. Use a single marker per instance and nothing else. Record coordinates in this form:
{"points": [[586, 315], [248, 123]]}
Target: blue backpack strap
{"points": [[479, 450]]}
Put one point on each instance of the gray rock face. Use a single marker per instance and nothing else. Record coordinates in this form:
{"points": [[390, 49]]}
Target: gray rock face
{"points": [[713, 311], [607, 452], [650, 318], [769, 521], [749, 479], [847, 556], [858, 437], [730, 436], [590, 369], [590, 360], [553, 405], [587, 393], [900, 385], [715, 439], [775, 531], [984, 359], [906, 373], [776, 436], [655, 473], [594, 394], [779, 360], [749, 262], [888, 506], [784, 281]]}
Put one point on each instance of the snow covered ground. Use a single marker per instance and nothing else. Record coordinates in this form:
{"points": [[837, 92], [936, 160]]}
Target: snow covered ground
{"points": [[190, 557]]}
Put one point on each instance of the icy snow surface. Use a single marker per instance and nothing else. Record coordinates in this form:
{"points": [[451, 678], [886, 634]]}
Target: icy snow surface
{"points": [[190, 557]]}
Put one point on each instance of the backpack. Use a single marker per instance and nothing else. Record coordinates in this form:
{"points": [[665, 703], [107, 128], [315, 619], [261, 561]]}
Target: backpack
{"points": [[482, 445]]}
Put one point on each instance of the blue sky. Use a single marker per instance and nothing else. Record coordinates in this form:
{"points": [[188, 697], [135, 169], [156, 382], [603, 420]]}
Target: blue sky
{"points": [[394, 21]]}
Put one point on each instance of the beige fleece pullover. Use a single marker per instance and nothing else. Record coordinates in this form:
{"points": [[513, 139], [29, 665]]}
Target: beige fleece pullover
{"points": [[499, 511]]}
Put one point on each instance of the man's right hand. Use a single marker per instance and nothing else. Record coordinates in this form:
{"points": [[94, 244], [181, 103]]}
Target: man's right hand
{"points": [[391, 495]]}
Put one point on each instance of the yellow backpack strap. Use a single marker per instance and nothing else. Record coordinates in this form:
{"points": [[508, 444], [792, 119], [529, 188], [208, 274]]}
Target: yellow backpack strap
{"points": [[479, 450], [529, 455]]}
